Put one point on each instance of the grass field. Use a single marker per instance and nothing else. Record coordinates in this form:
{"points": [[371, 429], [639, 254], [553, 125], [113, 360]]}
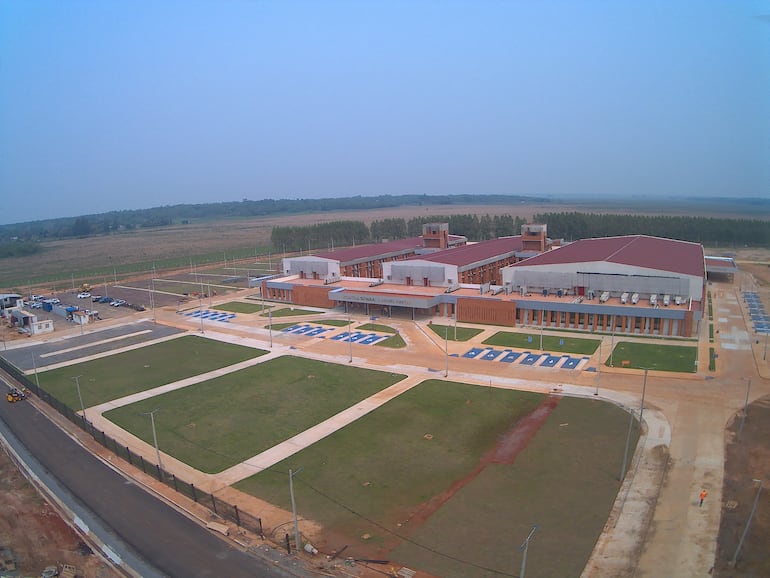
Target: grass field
{"points": [[393, 342], [376, 327], [239, 307], [288, 312], [454, 333], [122, 374], [374, 475], [550, 342], [216, 424], [331, 322], [654, 356]]}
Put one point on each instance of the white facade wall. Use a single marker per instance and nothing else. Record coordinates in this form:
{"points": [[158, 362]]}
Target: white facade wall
{"points": [[604, 276], [438, 274], [323, 268]]}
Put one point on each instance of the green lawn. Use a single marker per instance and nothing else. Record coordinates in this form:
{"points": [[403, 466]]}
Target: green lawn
{"points": [[390, 452], [280, 326], [394, 342], [219, 423], [454, 333], [288, 312], [332, 322], [122, 374], [550, 342], [376, 327], [382, 469], [239, 307], [654, 356]]}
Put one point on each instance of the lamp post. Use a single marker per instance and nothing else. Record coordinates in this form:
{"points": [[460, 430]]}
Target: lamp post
{"points": [[628, 441], [200, 303], [644, 388], [350, 337], [764, 355], [270, 325], [745, 408], [612, 344], [297, 545], [77, 385], [446, 351], [542, 322], [748, 523], [34, 366], [599, 370], [155, 437], [524, 548]]}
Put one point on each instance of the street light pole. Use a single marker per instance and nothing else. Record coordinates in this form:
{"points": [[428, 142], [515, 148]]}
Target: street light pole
{"points": [[599, 370], [612, 344], [34, 366], [446, 351], [77, 385], [155, 437], [542, 322], [350, 337], [644, 388], [628, 441], [748, 524], [745, 408], [297, 545], [524, 547]]}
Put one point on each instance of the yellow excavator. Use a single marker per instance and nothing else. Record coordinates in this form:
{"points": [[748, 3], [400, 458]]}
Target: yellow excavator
{"points": [[15, 395]]}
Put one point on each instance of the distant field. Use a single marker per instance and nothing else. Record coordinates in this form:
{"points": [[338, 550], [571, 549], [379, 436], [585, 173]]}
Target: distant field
{"points": [[218, 242]]}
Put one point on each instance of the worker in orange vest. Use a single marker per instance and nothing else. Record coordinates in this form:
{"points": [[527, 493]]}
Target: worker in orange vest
{"points": [[703, 495]]}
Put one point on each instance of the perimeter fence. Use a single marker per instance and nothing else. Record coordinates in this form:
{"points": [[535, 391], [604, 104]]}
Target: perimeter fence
{"points": [[215, 505]]}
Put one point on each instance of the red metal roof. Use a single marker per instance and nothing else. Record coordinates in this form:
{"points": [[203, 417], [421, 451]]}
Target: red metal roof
{"points": [[366, 252], [635, 250], [474, 253]]}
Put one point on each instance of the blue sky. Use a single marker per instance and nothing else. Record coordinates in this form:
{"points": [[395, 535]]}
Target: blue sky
{"points": [[110, 105]]}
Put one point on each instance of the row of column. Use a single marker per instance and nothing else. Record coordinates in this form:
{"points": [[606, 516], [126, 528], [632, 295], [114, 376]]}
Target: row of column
{"points": [[602, 322]]}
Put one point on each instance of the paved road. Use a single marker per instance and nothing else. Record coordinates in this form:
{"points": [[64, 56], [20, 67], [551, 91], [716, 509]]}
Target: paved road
{"points": [[176, 545], [103, 339]]}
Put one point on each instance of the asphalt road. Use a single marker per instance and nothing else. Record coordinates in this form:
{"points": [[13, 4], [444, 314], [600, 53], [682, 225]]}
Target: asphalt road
{"points": [[90, 343], [163, 538]]}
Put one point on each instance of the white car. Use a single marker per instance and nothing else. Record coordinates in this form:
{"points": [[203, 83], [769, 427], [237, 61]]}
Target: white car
{"points": [[118, 303], [84, 295]]}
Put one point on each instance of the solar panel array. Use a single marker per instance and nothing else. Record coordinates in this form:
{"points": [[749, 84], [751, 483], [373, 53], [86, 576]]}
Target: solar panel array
{"points": [[760, 320]]}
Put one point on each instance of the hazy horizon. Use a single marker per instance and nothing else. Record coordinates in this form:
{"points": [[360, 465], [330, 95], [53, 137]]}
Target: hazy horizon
{"points": [[113, 106]]}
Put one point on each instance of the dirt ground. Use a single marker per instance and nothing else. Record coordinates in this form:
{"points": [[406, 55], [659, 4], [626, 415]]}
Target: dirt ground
{"points": [[36, 534], [747, 459]]}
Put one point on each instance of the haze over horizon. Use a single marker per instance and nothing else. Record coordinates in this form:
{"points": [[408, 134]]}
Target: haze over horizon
{"points": [[111, 106]]}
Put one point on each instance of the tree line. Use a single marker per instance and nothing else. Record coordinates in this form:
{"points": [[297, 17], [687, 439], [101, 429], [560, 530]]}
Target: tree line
{"points": [[569, 226], [347, 233], [114, 221]]}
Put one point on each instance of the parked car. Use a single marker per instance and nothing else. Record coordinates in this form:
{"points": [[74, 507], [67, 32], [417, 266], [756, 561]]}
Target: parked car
{"points": [[95, 298], [118, 303], [35, 305], [105, 300], [84, 295]]}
